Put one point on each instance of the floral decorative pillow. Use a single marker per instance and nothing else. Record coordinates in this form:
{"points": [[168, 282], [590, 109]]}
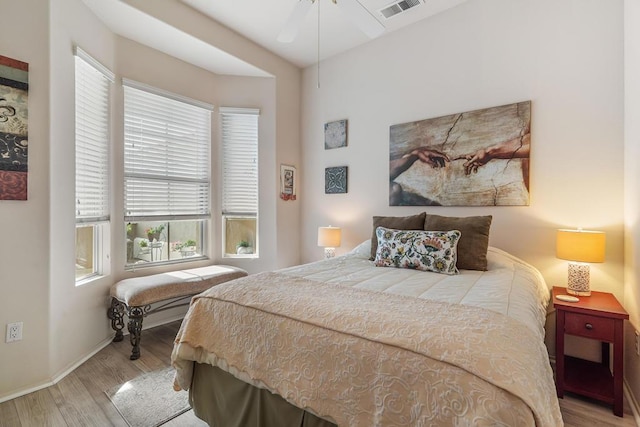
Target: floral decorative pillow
{"points": [[421, 250]]}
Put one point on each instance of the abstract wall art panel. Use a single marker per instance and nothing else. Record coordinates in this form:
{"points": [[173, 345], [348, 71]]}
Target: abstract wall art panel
{"points": [[335, 180], [477, 158], [335, 134], [14, 86]]}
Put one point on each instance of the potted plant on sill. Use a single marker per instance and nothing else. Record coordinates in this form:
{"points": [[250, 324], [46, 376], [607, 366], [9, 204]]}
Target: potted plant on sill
{"points": [[186, 249], [244, 248], [153, 233]]}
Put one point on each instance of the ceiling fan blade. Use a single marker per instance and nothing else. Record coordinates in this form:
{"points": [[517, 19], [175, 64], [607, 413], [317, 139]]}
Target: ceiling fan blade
{"points": [[291, 27], [360, 16]]}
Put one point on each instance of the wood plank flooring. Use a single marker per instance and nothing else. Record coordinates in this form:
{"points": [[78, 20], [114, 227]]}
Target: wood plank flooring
{"points": [[79, 399]]}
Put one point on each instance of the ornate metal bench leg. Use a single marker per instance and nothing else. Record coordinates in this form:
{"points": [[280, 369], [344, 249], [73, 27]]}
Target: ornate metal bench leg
{"points": [[116, 314], [136, 314]]}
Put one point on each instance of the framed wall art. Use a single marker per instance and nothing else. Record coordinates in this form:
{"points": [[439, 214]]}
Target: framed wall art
{"points": [[335, 134], [287, 182], [476, 158], [14, 87], [335, 180]]}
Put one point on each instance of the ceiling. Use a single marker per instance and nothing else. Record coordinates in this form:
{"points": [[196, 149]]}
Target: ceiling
{"points": [[261, 22], [131, 23]]}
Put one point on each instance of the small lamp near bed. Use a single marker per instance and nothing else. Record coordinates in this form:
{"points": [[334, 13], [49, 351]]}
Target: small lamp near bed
{"points": [[580, 247], [329, 238]]}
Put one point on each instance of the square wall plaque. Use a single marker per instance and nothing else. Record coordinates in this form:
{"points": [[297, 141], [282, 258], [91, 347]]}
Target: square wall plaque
{"points": [[335, 180], [335, 134]]}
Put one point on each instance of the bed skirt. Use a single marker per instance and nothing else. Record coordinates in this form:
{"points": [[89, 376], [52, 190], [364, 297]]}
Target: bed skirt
{"points": [[220, 399]]}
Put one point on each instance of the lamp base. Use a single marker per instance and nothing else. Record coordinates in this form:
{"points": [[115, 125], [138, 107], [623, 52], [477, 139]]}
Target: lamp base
{"points": [[329, 253], [578, 283]]}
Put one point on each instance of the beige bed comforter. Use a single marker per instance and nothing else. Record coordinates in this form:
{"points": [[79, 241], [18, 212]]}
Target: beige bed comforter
{"points": [[363, 358]]}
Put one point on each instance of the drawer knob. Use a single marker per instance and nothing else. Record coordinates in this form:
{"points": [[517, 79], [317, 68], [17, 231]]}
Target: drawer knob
{"points": [[589, 326]]}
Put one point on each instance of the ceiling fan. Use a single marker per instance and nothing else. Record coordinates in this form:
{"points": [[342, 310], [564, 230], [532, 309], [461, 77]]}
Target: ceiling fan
{"points": [[360, 16]]}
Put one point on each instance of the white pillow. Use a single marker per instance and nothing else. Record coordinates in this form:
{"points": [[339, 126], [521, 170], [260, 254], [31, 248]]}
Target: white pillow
{"points": [[421, 250], [363, 250]]}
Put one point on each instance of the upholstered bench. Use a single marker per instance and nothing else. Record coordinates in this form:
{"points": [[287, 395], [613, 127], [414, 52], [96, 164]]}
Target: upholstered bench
{"points": [[135, 296]]}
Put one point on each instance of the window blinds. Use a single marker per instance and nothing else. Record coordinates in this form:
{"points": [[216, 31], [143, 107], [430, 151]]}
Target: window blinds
{"points": [[92, 139], [166, 155], [239, 161]]}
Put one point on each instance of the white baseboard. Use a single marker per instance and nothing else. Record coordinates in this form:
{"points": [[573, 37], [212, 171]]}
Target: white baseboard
{"points": [[26, 391], [59, 376], [148, 325], [56, 378], [73, 366], [633, 403]]}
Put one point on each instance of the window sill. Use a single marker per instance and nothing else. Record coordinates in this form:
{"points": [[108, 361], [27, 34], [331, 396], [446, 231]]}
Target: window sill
{"points": [[146, 265], [88, 279], [242, 256]]}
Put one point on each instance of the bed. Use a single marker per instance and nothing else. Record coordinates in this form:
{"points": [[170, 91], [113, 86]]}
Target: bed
{"points": [[345, 342]]}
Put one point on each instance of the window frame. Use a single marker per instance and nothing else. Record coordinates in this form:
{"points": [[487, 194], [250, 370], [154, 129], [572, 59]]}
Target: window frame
{"points": [[92, 151], [152, 122], [246, 205]]}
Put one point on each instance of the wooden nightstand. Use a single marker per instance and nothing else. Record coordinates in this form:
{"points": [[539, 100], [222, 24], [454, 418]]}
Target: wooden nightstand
{"points": [[600, 317]]}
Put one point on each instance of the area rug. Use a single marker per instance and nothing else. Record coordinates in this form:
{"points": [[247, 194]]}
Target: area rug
{"points": [[149, 400]]}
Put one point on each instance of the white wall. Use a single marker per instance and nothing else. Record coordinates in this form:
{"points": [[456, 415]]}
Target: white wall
{"points": [[24, 252], [632, 189], [64, 323], [565, 56], [76, 317]]}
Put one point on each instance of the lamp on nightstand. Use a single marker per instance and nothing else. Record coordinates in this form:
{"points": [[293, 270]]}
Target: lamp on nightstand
{"points": [[329, 238], [580, 247]]}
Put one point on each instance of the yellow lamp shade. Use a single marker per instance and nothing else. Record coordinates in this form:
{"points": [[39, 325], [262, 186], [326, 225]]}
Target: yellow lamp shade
{"points": [[580, 245], [329, 237]]}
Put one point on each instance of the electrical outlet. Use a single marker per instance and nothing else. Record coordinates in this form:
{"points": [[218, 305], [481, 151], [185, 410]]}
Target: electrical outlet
{"points": [[14, 332], [637, 343]]}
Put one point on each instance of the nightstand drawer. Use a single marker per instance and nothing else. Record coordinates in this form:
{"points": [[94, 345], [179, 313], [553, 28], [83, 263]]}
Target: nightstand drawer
{"points": [[599, 328]]}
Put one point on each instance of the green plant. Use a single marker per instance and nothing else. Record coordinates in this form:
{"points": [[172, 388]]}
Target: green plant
{"points": [[243, 244], [178, 246], [143, 243], [155, 230]]}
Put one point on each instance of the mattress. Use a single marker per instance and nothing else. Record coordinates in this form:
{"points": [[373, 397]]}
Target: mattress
{"points": [[360, 345], [510, 286]]}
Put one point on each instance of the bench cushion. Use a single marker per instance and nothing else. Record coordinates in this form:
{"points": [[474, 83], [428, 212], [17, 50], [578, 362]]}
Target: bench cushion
{"points": [[140, 291]]}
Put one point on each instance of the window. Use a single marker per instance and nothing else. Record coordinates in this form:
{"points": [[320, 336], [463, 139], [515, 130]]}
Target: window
{"points": [[166, 175], [93, 83], [240, 181]]}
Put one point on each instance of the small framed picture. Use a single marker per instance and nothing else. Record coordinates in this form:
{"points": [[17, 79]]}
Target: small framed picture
{"points": [[287, 182], [335, 134], [335, 180]]}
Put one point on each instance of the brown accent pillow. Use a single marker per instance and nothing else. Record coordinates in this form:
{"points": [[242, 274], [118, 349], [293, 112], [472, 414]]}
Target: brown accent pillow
{"points": [[413, 222], [472, 247]]}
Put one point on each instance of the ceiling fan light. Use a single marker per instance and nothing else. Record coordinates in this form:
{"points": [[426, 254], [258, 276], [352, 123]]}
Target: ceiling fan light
{"points": [[353, 9]]}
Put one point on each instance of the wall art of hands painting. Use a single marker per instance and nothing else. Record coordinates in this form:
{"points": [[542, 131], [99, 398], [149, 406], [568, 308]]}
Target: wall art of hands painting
{"points": [[14, 85], [477, 158]]}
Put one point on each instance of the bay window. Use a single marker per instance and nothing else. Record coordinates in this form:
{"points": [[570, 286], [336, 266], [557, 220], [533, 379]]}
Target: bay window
{"points": [[167, 140], [92, 190], [239, 129]]}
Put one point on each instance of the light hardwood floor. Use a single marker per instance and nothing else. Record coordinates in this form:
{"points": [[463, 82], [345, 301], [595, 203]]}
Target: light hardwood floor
{"points": [[79, 399]]}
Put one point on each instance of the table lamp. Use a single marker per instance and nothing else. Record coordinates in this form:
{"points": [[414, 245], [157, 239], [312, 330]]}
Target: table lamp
{"points": [[580, 247], [329, 238]]}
